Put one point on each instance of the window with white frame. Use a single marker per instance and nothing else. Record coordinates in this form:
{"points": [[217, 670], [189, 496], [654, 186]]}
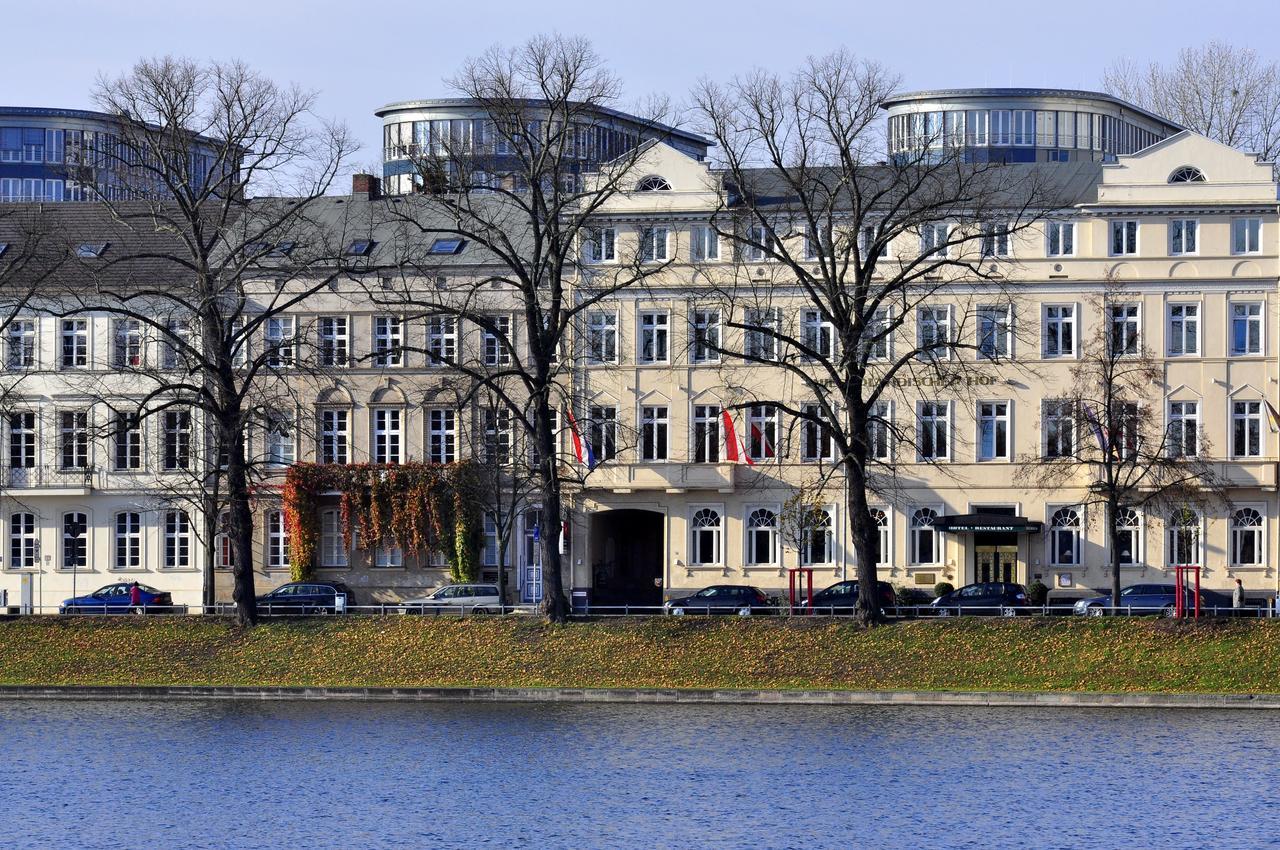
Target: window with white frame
{"points": [[816, 441], [334, 436], [1183, 236], [762, 431], [602, 337], [817, 335], [1126, 328], [1183, 538], [933, 240], [177, 336], [602, 432], [333, 546], [1060, 238], [706, 336], [1246, 538], [334, 341], [1125, 421], [933, 326], [705, 545], [655, 427], [388, 556], [1129, 536], [924, 537], [24, 546], [1246, 428], [75, 344], [818, 539], [388, 435], [817, 243], [498, 435], [280, 440], [653, 244], [73, 439], [1246, 235], [598, 245], [1060, 330], [655, 337], [705, 242], [879, 431], [1064, 537], [277, 541], [21, 351], [993, 430], [1184, 429], [238, 342], [759, 244], [1184, 329], [282, 345], [1059, 428], [495, 341], [934, 430], [75, 540], [880, 519], [126, 344], [762, 537], [995, 325], [868, 236], [441, 436], [761, 338], [127, 544], [877, 336], [995, 239], [388, 341], [224, 552], [176, 450], [489, 551], [442, 340], [126, 440], [706, 433], [1246, 328], [177, 540], [1124, 237], [22, 440]]}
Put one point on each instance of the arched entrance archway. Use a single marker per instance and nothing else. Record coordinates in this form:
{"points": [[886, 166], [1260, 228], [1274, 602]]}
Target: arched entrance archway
{"points": [[627, 554]]}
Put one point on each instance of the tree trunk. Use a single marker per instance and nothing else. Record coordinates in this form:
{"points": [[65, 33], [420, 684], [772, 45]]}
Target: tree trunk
{"points": [[863, 531], [549, 521], [1113, 536], [239, 499]]}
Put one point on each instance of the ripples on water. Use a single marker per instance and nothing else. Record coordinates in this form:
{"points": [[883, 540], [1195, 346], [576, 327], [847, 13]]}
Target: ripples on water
{"points": [[275, 775]]}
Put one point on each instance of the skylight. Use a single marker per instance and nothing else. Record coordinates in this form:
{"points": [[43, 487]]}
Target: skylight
{"points": [[89, 250], [359, 248], [447, 246], [283, 249], [4, 246]]}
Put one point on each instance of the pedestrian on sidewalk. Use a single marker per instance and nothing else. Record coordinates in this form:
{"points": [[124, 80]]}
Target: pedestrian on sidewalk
{"points": [[135, 595], [1237, 595]]}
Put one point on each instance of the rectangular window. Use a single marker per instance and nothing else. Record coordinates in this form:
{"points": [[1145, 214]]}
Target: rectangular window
{"points": [[599, 245], [602, 338], [75, 343], [442, 340], [817, 244], [441, 436], [760, 341], [1124, 237], [995, 239], [333, 547], [177, 540], [21, 353], [993, 430], [128, 541], [494, 343], [1182, 235], [705, 243], [655, 337], [1125, 337], [1060, 238], [1246, 329], [933, 240], [73, 439], [879, 430], [497, 436], [1059, 429], [126, 344], [280, 444], [1184, 329], [995, 332], [706, 336], [22, 440], [281, 345], [75, 541], [1059, 330], [1246, 235], [388, 435], [602, 432], [817, 335], [277, 541], [655, 427], [334, 436], [1246, 428], [706, 433], [877, 336], [388, 341], [762, 431], [126, 440], [816, 442], [24, 548], [176, 338], [759, 245], [334, 341], [934, 430], [653, 244], [177, 439], [1184, 429]]}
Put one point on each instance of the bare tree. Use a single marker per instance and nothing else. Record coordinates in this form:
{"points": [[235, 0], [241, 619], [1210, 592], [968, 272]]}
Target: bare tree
{"points": [[194, 139], [1103, 440], [517, 192], [1222, 91], [821, 222]]}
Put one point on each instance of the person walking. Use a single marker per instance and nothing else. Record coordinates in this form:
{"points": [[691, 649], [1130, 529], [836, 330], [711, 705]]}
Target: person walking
{"points": [[135, 595], [1237, 595]]}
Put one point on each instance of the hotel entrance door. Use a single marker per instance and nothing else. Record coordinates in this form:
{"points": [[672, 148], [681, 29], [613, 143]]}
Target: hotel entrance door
{"points": [[996, 563]]}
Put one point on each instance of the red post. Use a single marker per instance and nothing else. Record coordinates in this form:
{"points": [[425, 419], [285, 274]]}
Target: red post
{"points": [[1197, 593], [791, 589], [1177, 592], [808, 574]]}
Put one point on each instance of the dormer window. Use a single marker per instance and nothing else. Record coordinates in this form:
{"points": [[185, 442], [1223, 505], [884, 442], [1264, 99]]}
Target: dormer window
{"points": [[90, 250], [4, 247], [359, 248], [1187, 174], [446, 246], [283, 249], [653, 183]]}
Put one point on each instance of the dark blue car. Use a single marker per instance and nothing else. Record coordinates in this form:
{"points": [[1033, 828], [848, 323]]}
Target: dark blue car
{"points": [[1159, 599], [115, 599]]}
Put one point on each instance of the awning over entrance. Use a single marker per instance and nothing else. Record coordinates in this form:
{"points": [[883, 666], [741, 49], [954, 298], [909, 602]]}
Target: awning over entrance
{"points": [[980, 523]]}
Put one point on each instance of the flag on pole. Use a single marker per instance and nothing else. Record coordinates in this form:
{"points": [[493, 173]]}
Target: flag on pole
{"points": [[731, 448], [577, 442], [1273, 416]]}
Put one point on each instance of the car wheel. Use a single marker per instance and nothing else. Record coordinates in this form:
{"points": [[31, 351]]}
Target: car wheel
{"points": [[677, 612], [1008, 612], [1167, 611], [1093, 611], [744, 611], [479, 610], [138, 609], [944, 612]]}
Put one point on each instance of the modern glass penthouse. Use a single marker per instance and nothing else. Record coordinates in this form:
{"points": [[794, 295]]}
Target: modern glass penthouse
{"points": [[414, 128], [66, 155], [1022, 125]]}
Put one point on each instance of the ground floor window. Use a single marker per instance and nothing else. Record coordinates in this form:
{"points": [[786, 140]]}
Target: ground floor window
{"points": [[128, 541], [1064, 537], [1246, 538], [333, 548], [277, 541], [75, 541], [705, 546], [1184, 538], [818, 539], [177, 540], [24, 546], [924, 538], [762, 537], [880, 519], [1129, 536]]}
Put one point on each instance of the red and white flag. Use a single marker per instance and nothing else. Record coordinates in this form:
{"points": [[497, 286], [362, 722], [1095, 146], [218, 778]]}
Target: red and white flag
{"points": [[731, 449]]}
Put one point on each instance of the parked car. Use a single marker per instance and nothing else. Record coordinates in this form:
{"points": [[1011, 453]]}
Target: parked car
{"points": [[987, 597], [115, 599], [1153, 599], [305, 597], [738, 599], [841, 597], [457, 599]]}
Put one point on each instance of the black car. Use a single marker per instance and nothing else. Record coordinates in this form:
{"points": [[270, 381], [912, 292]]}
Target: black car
{"points": [[1159, 599], [988, 597], [841, 597], [738, 599], [305, 597]]}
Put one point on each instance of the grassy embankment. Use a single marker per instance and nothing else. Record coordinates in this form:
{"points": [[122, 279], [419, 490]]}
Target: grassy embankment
{"points": [[1055, 655]]}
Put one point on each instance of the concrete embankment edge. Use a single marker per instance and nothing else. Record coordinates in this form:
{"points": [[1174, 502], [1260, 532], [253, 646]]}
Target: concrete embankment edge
{"points": [[645, 695]]}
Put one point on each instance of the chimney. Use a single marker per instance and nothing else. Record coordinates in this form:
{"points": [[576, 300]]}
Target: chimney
{"points": [[366, 186]]}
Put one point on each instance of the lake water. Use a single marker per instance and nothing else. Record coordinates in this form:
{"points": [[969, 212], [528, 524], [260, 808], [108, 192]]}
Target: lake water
{"points": [[300, 775]]}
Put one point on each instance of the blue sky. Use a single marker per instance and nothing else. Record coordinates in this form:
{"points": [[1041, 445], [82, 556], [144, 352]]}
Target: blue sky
{"points": [[360, 55]]}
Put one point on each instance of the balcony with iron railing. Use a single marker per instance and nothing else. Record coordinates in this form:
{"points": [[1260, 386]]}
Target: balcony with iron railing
{"points": [[77, 479]]}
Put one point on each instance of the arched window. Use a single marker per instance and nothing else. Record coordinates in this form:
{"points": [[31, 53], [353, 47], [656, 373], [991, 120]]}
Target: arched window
{"points": [[762, 536], [1246, 538], [881, 520], [653, 183], [1064, 537], [818, 539], [924, 538], [1187, 174], [707, 531], [1184, 538], [1129, 535]]}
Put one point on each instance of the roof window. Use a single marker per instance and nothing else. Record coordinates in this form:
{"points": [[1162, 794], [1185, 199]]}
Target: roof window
{"points": [[447, 246], [89, 250]]}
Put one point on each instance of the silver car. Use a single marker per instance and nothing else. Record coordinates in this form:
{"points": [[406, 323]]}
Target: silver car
{"points": [[457, 599]]}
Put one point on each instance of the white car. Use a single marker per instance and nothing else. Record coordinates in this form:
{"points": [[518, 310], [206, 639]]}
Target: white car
{"points": [[457, 599]]}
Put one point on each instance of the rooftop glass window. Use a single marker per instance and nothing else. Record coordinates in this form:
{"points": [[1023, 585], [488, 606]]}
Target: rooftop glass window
{"points": [[283, 249], [1187, 174], [653, 183], [4, 246], [446, 246], [359, 248], [89, 250]]}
